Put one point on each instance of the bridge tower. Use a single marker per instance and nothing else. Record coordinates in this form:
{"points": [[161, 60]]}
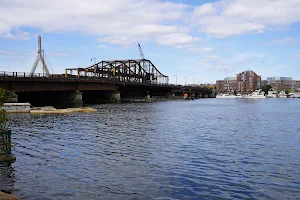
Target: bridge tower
{"points": [[40, 57]]}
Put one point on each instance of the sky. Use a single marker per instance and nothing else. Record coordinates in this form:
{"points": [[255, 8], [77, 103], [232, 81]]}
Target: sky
{"points": [[197, 41]]}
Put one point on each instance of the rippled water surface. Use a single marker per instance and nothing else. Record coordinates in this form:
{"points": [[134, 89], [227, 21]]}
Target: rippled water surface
{"points": [[202, 149]]}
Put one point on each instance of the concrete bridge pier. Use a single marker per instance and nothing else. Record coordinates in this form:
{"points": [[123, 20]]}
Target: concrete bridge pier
{"points": [[11, 97], [192, 96], [115, 97], [73, 98]]}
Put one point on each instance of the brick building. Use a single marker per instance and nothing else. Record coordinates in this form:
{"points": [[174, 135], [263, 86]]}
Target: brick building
{"points": [[227, 83], [244, 81], [248, 81], [283, 83]]}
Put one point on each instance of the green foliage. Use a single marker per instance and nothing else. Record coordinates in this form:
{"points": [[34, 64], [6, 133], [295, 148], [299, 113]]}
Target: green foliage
{"points": [[267, 88], [288, 91], [2, 112]]}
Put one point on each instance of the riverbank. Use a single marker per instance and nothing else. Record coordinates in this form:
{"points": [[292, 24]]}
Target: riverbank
{"points": [[5, 196], [7, 158]]}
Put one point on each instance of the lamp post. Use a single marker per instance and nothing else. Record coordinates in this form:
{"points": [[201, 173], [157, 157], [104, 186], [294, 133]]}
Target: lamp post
{"points": [[176, 78], [93, 59]]}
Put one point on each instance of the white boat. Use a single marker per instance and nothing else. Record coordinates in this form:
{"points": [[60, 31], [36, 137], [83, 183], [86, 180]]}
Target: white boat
{"points": [[294, 95], [228, 95], [16, 107], [272, 93], [257, 94], [225, 96], [238, 96], [282, 94]]}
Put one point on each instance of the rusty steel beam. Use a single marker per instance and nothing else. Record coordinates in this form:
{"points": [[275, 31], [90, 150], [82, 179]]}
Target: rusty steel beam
{"points": [[125, 70]]}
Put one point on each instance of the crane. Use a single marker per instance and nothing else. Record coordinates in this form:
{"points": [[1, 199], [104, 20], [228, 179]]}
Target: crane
{"points": [[141, 51], [143, 57]]}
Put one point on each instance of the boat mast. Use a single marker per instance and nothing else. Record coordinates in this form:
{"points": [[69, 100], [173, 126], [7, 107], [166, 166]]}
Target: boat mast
{"points": [[227, 81]]}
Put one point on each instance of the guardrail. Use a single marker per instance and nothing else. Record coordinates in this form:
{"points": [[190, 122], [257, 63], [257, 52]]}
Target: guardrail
{"points": [[4, 75], [5, 142]]}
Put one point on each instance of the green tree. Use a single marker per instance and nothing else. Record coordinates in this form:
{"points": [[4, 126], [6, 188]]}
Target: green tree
{"points": [[2, 112], [267, 88], [288, 91]]}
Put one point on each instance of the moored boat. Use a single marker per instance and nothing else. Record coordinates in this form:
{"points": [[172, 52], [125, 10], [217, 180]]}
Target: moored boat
{"points": [[257, 94], [282, 94], [16, 107], [294, 95], [272, 93], [225, 96]]}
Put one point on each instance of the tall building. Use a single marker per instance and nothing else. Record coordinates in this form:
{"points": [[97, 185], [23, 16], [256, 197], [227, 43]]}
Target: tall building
{"points": [[226, 84], [248, 81]]}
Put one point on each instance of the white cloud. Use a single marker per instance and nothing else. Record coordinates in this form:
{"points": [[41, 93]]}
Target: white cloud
{"points": [[174, 39], [16, 34], [114, 21], [212, 57], [206, 49], [205, 9], [298, 55], [234, 17], [123, 40], [284, 41]]}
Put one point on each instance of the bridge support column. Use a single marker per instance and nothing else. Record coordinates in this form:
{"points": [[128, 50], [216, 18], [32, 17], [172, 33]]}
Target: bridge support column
{"points": [[193, 96], [75, 98], [148, 98], [11, 97], [115, 97]]}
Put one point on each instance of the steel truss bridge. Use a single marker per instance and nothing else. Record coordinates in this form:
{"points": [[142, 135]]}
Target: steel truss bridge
{"points": [[135, 71]]}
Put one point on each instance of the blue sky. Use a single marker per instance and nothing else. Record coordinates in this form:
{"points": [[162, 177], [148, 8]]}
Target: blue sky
{"points": [[194, 39]]}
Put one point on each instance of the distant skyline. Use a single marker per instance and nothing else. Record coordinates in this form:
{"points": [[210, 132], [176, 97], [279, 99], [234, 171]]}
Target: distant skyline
{"points": [[194, 39]]}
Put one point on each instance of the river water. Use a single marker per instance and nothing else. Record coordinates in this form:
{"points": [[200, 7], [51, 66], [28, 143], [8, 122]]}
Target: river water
{"points": [[202, 149]]}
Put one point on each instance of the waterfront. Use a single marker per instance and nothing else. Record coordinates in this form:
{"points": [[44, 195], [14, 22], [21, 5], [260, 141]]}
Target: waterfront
{"points": [[202, 149]]}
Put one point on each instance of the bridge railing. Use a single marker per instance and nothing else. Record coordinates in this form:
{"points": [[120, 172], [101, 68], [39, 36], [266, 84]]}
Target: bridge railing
{"points": [[5, 74], [26, 75], [5, 142]]}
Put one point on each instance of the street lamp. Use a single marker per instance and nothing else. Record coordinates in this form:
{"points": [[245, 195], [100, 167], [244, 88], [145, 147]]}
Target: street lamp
{"points": [[93, 59], [176, 78]]}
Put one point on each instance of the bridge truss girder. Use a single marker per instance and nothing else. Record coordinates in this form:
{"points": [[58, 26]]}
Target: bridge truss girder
{"points": [[140, 71]]}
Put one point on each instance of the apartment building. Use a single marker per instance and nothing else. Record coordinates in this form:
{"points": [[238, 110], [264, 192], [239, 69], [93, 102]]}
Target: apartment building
{"points": [[248, 81], [226, 84]]}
